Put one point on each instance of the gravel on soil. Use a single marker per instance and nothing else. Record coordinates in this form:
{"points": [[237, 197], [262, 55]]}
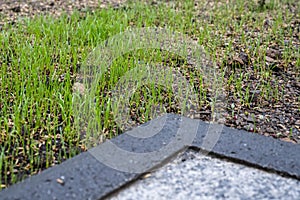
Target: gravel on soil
{"points": [[196, 176], [12, 10]]}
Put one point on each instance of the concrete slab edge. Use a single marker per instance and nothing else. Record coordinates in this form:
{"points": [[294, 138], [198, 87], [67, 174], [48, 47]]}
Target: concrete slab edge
{"points": [[86, 176]]}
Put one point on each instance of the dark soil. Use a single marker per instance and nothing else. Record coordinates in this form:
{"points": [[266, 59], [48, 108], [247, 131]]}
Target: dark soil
{"points": [[12, 10]]}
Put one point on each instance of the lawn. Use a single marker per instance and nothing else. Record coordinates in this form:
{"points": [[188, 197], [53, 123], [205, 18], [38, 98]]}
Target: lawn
{"points": [[254, 48]]}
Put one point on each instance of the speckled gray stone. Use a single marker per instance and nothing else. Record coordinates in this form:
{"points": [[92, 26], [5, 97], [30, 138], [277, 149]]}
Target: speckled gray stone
{"points": [[197, 176]]}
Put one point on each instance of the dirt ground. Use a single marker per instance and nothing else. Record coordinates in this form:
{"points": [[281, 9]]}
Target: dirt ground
{"points": [[12, 10]]}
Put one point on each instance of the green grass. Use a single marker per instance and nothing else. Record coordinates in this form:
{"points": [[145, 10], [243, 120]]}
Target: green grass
{"points": [[40, 57]]}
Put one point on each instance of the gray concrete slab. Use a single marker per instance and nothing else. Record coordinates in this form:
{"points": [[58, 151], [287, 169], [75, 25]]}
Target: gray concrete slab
{"points": [[115, 163], [197, 176]]}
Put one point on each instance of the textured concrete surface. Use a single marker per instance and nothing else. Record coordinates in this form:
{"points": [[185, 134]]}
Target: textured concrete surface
{"points": [[82, 177], [253, 148], [196, 176], [100, 171]]}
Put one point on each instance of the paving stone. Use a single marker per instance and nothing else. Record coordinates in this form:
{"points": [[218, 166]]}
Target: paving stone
{"points": [[90, 175], [197, 176]]}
